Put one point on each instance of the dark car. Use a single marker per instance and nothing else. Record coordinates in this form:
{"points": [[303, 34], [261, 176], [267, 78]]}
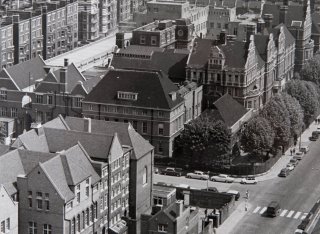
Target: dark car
{"points": [[294, 162], [212, 189], [273, 209], [284, 172], [171, 172]]}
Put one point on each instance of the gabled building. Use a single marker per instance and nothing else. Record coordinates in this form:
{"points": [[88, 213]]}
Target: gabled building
{"points": [[113, 148], [146, 99], [9, 213], [297, 19]]}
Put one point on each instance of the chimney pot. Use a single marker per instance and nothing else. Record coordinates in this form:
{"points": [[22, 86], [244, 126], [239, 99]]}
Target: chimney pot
{"points": [[66, 62]]}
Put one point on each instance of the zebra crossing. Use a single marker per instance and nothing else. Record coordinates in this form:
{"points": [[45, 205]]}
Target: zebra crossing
{"points": [[284, 213]]}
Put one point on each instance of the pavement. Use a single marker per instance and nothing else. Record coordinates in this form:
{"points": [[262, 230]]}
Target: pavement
{"points": [[229, 225]]}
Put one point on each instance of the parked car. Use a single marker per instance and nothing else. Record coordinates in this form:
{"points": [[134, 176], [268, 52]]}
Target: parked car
{"points": [[171, 172], [212, 189], [249, 180], [304, 149], [284, 172], [235, 193], [222, 178], [294, 162], [198, 175], [290, 166], [298, 156], [314, 136], [273, 209]]}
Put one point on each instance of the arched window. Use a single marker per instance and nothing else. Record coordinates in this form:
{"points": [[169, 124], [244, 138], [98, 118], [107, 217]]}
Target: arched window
{"points": [[144, 178]]}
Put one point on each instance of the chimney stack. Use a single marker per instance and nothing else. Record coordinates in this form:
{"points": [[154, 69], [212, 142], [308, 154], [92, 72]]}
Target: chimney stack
{"points": [[87, 125], [268, 18], [260, 26], [223, 37], [251, 30], [66, 62], [283, 14], [63, 79]]}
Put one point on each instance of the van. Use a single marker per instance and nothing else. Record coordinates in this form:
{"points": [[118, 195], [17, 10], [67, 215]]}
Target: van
{"points": [[273, 209], [304, 149]]}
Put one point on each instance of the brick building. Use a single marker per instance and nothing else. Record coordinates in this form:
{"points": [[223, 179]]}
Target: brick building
{"points": [[110, 159], [7, 47], [249, 71], [9, 213], [164, 34], [297, 19], [88, 20], [146, 99]]}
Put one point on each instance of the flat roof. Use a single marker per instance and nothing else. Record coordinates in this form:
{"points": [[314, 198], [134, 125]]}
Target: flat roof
{"points": [[81, 55], [162, 191]]}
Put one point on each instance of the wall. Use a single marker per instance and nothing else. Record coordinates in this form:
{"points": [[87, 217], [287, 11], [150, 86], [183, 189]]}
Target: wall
{"points": [[9, 209]]}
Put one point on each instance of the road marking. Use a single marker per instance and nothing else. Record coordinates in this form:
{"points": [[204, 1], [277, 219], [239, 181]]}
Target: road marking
{"points": [[304, 216], [263, 210], [256, 209], [297, 215], [290, 214], [283, 213]]}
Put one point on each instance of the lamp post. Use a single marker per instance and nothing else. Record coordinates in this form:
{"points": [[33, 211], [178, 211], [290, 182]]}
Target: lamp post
{"points": [[208, 180]]}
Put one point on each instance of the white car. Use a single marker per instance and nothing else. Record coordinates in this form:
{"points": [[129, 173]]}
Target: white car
{"points": [[249, 180], [198, 175], [290, 166], [222, 178]]}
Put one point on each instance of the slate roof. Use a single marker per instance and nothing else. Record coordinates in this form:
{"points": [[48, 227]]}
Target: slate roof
{"points": [[199, 56], [289, 39], [295, 13], [171, 62], [261, 43], [19, 162], [153, 89], [127, 135], [59, 139], [140, 50], [315, 23], [226, 109], [21, 72], [51, 81], [28, 140]]}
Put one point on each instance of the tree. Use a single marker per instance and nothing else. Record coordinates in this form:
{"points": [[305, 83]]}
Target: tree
{"points": [[295, 114], [257, 137], [278, 117], [205, 139], [311, 70], [308, 101]]}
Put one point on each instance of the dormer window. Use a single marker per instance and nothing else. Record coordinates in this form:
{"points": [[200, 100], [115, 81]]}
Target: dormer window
{"points": [[127, 95], [173, 96]]}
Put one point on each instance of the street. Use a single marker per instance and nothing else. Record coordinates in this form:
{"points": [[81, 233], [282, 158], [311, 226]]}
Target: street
{"points": [[296, 194]]}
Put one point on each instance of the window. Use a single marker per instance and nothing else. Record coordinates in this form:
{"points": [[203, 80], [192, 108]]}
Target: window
{"points": [[30, 198], [144, 127], [69, 205], [14, 112], [8, 224], [78, 223], [144, 176], [3, 94], [142, 39], [32, 228], [46, 201], [3, 227], [88, 216], [50, 99], [77, 102], [73, 226], [153, 40], [162, 228], [160, 148], [160, 129], [127, 95], [39, 98], [39, 200], [39, 116], [87, 187], [3, 111], [161, 114], [47, 229], [78, 197]]}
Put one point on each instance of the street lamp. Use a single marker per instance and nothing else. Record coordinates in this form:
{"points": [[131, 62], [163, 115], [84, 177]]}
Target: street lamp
{"points": [[208, 180]]}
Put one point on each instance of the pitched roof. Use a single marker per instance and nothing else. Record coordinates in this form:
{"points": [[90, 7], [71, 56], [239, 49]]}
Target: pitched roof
{"points": [[19, 162], [315, 23], [226, 109], [153, 89], [199, 56], [57, 122], [171, 62], [50, 83], [128, 136], [261, 43], [294, 13], [32, 141], [21, 72], [59, 139], [289, 39], [236, 54]]}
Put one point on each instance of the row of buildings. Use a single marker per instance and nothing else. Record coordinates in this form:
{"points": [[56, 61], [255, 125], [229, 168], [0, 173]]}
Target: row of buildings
{"points": [[76, 175]]}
